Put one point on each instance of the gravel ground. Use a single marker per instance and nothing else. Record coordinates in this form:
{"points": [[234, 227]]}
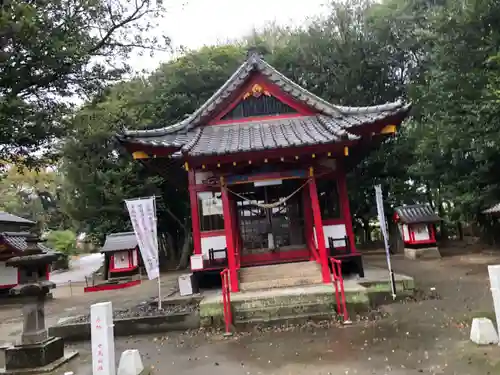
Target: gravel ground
{"points": [[141, 310], [426, 335]]}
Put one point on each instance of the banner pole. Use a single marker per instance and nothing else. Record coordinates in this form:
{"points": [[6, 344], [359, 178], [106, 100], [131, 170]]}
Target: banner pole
{"points": [[158, 254]]}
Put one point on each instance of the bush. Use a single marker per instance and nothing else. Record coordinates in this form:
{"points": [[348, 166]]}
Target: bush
{"points": [[63, 241]]}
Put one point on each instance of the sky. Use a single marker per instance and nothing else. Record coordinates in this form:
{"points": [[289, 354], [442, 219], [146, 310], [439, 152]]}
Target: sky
{"points": [[194, 23]]}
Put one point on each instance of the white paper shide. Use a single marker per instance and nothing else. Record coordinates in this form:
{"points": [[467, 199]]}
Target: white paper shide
{"points": [[143, 216]]}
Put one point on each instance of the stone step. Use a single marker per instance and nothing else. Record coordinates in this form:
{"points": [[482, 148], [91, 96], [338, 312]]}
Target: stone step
{"points": [[291, 319], [281, 269], [280, 276], [284, 300], [274, 276], [280, 283], [274, 312]]}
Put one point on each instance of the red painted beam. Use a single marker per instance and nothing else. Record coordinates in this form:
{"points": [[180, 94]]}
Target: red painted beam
{"points": [[269, 86], [228, 226], [273, 155], [195, 218], [308, 225], [346, 210], [102, 287], [276, 257], [320, 235]]}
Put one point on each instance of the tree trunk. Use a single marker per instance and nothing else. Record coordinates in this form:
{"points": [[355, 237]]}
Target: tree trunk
{"points": [[172, 253], [395, 240], [186, 252], [460, 230], [367, 236]]}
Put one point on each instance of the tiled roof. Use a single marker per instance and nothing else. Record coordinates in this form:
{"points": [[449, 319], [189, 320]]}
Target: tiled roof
{"points": [[18, 241], [267, 134], [417, 213], [6, 217], [271, 134], [188, 136], [119, 241], [168, 140]]}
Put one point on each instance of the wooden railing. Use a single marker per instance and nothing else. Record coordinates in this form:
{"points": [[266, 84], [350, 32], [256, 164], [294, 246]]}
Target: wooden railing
{"points": [[226, 300], [338, 283]]}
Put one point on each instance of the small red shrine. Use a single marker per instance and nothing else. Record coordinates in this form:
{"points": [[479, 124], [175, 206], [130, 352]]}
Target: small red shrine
{"points": [[416, 224], [266, 162], [122, 262], [121, 255]]}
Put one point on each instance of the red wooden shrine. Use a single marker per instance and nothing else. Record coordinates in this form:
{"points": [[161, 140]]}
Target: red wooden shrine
{"points": [[121, 255], [416, 224], [266, 162]]}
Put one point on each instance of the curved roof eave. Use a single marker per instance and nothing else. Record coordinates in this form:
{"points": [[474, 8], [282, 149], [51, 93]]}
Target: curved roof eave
{"points": [[255, 63]]}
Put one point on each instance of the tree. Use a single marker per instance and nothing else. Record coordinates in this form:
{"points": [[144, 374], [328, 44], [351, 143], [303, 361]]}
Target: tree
{"points": [[457, 134], [55, 51], [35, 195], [64, 242], [99, 178]]}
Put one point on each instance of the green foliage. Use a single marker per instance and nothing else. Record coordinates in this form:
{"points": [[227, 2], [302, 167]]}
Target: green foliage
{"points": [[35, 195], [55, 50], [441, 55], [98, 178], [63, 241]]}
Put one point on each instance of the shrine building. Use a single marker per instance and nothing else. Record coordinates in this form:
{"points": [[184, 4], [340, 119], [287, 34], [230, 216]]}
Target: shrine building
{"points": [[266, 163]]}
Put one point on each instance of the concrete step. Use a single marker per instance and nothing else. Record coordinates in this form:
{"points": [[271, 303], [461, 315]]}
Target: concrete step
{"points": [[284, 319], [274, 275], [283, 300], [283, 305], [273, 312], [280, 283], [299, 268], [280, 276]]}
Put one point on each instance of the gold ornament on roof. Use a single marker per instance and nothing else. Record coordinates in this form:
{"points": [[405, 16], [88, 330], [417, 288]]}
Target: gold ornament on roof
{"points": [[256, 91]]}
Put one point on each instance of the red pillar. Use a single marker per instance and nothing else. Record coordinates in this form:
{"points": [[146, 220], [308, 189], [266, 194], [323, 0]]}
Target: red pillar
{"points": [[318, 224], [346, 211], [432, 232], [236, 232], [228, 227], [195, 218], [308, 225]]}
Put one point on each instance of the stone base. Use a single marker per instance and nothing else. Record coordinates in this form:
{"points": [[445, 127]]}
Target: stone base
{"points": [[423, 253], [42, 370], [483, 332], [34, 355]]}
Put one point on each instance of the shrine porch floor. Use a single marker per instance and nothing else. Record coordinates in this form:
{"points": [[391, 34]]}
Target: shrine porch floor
{"points": [[304, 302]]}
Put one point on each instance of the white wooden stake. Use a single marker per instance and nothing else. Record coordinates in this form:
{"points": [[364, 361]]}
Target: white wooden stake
{"points": [[494, 273], [102, 339]]}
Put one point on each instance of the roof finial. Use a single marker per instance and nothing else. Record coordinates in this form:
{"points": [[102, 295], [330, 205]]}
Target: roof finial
{"points": [[253, 51]]}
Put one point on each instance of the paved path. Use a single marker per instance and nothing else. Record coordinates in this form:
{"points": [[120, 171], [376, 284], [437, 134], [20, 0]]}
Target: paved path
{"points": [[79, 268]]}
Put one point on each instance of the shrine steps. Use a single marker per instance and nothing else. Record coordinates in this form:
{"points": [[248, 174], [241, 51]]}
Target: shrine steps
{"points": [[298, 304], [290, 305], [288, 309], [280, 276]]}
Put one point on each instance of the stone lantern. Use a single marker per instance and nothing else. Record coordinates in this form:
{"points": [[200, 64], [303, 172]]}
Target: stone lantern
{"points": [[37, 350]]}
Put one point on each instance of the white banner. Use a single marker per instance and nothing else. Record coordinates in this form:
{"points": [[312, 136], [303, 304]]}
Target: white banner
{"points": [[381, 215], [143, 216], [383, 229]]}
